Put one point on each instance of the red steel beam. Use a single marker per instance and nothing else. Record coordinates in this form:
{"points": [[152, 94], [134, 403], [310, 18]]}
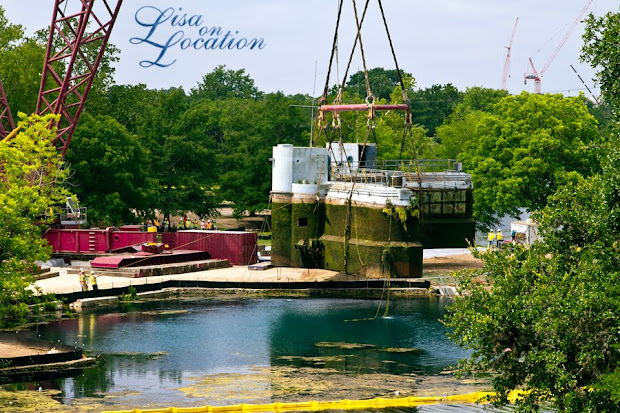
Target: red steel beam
{"points": [[361, 107], [69, 68], [6, 119]]}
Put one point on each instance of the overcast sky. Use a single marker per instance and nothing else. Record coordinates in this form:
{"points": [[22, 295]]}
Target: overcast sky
{"points": [[442, 41]]}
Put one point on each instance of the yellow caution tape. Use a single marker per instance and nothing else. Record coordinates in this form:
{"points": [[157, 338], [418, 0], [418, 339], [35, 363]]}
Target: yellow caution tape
{"points": [[314, 406]]}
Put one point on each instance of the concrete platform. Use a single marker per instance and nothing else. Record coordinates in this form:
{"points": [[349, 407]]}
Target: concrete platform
{"points": [[141, 259], [163, 269]]}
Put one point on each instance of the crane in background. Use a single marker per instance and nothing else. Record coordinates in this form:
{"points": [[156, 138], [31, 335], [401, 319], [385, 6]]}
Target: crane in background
{"points": [[69, 68], [507, 62], [535, 75]]}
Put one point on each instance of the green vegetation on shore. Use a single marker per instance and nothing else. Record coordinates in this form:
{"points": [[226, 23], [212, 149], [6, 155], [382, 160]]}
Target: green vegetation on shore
{"points": [[32, 181], [548, 319]]}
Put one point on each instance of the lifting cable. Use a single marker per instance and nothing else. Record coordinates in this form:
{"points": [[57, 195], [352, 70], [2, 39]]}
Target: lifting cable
{"points": [[370, 103], [331, 58], [387, 30]]}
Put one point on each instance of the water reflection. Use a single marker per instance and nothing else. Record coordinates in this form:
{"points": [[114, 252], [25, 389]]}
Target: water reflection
{"points": [[193, 352]]}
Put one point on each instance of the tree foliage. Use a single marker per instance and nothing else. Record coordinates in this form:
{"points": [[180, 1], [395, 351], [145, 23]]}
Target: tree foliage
{"points": [[21, 61], [459, 129], [431, 106], [548, 320], [382, 83], [31, 180], [102, 147], [224, 83], [525, 150], [601, 39]]}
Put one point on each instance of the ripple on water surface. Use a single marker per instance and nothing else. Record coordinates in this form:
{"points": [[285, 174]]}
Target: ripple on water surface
{"points": [[194, 352]]}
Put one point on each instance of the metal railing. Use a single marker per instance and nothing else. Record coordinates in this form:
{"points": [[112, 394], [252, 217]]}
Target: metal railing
{"points": [[392, 172], [402, 165]]}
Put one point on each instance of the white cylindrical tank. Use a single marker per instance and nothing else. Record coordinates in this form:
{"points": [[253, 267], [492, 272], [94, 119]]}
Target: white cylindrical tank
{"points": [[282, 168]]}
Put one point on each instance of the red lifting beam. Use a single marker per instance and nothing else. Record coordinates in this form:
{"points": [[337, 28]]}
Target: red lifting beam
{"points": [[362, 106], [72, 59]]}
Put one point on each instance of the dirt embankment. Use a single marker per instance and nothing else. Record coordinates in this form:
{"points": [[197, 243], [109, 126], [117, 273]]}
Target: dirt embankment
{"points": [[451, 263]]}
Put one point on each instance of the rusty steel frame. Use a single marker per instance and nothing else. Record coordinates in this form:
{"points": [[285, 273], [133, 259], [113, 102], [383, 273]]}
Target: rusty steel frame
{"points": [[6, 119], [69, 71]]}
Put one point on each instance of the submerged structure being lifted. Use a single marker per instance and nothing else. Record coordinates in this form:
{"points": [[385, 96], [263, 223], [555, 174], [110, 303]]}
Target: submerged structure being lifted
{"points": [[339, 208], [344, 210]]}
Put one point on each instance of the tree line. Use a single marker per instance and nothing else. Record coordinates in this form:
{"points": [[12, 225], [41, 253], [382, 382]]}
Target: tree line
{"points": [[176, 150], [544, 319]]}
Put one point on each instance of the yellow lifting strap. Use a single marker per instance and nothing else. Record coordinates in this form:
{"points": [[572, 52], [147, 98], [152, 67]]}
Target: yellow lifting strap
{"points": [[13, 133], [314, 406]]}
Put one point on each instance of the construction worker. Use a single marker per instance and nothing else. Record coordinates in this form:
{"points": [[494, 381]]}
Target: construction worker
{"points": [[82, 278], [209, 224], [491, 238], [499, 237], [93, 282], [203, 225]]}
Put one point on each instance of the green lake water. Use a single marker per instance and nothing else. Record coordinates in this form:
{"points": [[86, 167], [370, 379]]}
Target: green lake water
{"points": [[199, 351]]}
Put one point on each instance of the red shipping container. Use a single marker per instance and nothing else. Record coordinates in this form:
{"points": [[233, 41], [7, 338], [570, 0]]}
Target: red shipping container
{"points": [[95, 240], [238, 247]]}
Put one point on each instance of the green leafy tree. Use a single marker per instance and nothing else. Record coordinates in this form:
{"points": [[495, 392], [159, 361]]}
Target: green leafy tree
{"points": [[224, 83], [601, 39], [181, 156], [458, 132], [530, 146], [21, 61], [431, 106], [480, 98], [382, 83], [603, 114], [102, 147], [31, 179], [249, 131], [130, 105], [460, 127], [548, 318]]}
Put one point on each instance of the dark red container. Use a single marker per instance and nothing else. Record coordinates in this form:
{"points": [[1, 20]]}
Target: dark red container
{"points": [[238, 247], [169, 239], [95, 240]]}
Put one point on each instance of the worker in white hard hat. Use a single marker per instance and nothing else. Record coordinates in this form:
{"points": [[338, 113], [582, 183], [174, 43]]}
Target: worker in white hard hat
{"points": [[209, 224], [498, 237], [82, 278], [93, 282]]}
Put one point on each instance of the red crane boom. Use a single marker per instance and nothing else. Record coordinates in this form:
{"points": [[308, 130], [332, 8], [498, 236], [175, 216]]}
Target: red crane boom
{"points": [[507, 62], [69, 67], [535, 75]]}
